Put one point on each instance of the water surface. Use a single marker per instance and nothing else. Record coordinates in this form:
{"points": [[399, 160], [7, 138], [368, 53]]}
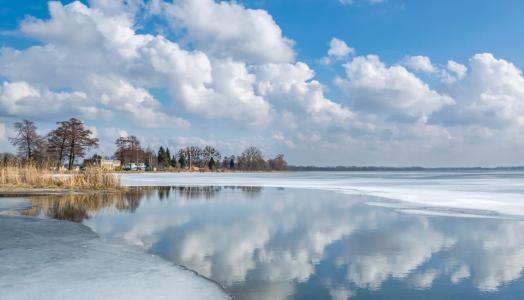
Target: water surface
{"points": [[287, 243]]}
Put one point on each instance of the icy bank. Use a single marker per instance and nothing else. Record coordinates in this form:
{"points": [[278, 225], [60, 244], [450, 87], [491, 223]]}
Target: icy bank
{"points": [[477, 193], [49, 259]]}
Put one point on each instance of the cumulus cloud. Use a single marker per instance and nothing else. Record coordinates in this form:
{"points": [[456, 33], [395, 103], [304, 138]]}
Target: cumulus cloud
{"points": [[142, 107], [292, 84], [94, 61], [338, 49], [22, 99], [372, 86], [490, 94], [228, 29], [83, 42], [459, 70], [419, 63], [497, 89]]}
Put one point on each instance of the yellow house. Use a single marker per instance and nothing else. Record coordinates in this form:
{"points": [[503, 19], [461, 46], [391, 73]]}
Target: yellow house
{"points": [[109, 164]]}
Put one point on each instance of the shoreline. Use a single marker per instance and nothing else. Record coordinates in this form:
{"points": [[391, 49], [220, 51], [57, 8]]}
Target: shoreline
{"points": [[27, 241], [43, 191]]}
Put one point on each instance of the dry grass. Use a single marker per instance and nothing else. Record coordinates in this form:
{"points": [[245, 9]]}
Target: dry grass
{"points": [[31, 176]]}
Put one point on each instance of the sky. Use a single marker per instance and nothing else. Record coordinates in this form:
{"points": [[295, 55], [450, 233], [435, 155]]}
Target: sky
{"points": [[331, 82]]}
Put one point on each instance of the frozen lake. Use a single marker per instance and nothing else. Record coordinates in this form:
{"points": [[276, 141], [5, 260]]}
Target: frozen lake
{"points": [[428, 192], [321, 235]]}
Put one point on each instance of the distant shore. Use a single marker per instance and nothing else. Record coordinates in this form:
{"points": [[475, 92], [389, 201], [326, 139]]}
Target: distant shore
{"points": [[395, 169]]}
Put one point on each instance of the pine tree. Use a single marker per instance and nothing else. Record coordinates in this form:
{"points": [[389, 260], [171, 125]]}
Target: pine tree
{"points": [[161, 155], [182, 160], [167, 158], [211, 164]]}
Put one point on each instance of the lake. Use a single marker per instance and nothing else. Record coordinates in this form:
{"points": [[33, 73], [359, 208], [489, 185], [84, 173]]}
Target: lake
{"points": [[321, 235]]}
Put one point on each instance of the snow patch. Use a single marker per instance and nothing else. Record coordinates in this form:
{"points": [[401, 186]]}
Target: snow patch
{"points": [[49, 259], [499, 192]]}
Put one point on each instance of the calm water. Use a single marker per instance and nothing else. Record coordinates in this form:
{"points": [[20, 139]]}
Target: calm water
{"points": [[285, 243]]}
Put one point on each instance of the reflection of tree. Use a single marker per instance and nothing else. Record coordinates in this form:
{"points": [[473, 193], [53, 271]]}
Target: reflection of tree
{"points": [[198, 192], [164, 192], [79, 207], [251, 191]]}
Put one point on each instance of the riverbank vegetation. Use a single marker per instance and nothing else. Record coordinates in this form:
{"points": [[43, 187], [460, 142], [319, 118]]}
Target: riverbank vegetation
{"points": [[27, 175], [39, 162], [57, 158]]}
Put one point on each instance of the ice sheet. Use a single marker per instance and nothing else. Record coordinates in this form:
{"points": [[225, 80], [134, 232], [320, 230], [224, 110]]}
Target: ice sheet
{"points": [[9, 204], [498, 192], [49, 259]]}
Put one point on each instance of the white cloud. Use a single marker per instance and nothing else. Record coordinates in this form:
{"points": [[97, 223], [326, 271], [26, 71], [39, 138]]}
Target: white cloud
{"points": [[490, 94], [496, 87], [228, 29], [92, 61], [122, 97], [279, 137], [288, 84], [457, 69], [372, 86], [82, 42], [419, 63], [338, 50], [2, 131], [22, 99]]}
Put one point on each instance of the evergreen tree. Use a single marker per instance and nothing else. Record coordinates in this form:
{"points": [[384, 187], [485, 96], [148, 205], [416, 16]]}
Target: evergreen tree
{"points": [[161, 155], [182, 160], [167, 158], [173, 161], [232, 163], [211, 163]]}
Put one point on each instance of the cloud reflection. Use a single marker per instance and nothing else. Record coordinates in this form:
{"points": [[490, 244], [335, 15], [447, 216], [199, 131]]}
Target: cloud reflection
{"points": [[268, 244]]}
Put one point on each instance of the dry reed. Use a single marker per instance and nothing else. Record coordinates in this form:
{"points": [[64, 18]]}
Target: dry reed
{"points": [[32, 176]]}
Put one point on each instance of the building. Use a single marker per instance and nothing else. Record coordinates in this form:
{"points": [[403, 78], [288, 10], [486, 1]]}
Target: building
{"points": [[110, 164]]}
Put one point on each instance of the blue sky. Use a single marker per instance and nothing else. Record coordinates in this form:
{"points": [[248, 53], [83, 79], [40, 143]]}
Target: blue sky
{"points": [[325, 82]]}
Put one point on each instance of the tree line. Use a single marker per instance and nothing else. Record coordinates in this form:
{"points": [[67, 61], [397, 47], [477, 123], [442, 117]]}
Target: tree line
{"points": [[129, 150], [71, 140]]}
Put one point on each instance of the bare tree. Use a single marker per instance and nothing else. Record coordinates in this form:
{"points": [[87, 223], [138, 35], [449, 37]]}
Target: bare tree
{"points": [[150, 157], [193, 155], [26, 140], [278, 163], [251, 159], [79, 140], [57, 141], [210, 153], [128, 149]]}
